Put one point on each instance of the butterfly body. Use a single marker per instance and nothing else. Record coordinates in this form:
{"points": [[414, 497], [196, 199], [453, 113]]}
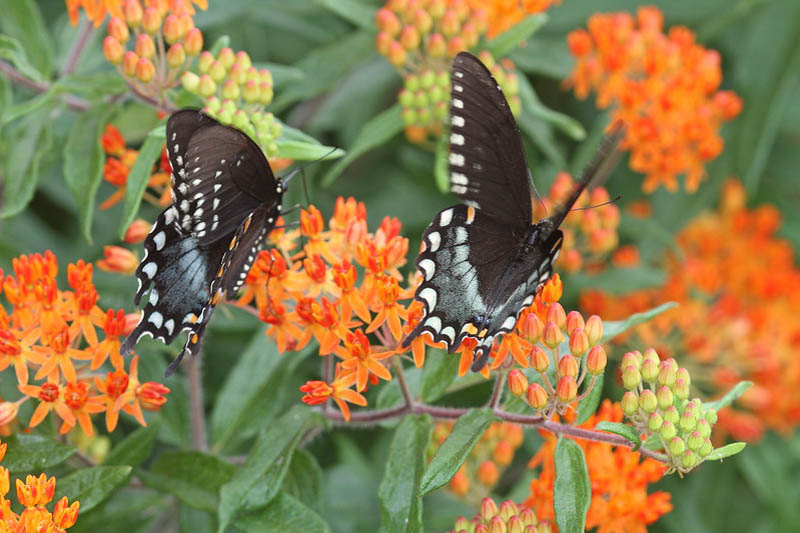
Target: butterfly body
{"points": [[225, 202], [483, 260]]}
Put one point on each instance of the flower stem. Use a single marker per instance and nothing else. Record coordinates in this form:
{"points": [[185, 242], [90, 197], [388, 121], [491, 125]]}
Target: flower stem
{"points": [[497, 391], [77, 48], [196, 404], [401, 380], [73, 102]]}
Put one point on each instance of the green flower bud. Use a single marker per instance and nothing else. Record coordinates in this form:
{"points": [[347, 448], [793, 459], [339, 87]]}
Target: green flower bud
{"points": [[689, 459], [631, 378], [706, 449], [240, 119], [276, 129], [250, 92], [654, 422], [230, 90], [409, 117], [427, 79], [226, 57], [649, 370], [266, 93], [676, 446], [406, 98], [671, 414], [217, 71], [630, 403], [684, 375], [190, 81], [229, 107], [436, 94], [213, 104], [665, 398], [681, 389], [667, 430], [688, 421], [421, 99], [695, 441], [666, 374], [633, 358], [412, 83], [704, 427], [443, 81], [206, 87], [204, 62], [647, 401], [711, 416]]}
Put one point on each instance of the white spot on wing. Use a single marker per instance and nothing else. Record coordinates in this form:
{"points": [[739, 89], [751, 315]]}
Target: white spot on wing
{"points": [[428, 268], [429, 295], [458, 189], [435, 323], [450, 333], [457, 178], [169, 325], [457, 160], [150, 269], [508, 324], [457, 121], [154, 297], [159, 239], [457, 138], [435, 240], [458, 103], [156, 318], [446, 217]]}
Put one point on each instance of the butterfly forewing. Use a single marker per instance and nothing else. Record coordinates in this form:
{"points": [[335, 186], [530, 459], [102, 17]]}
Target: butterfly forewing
{"points": [[487, 162], [248, 244]]}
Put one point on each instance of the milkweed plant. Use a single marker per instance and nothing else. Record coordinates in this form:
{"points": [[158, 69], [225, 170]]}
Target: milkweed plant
{"points": [[664, 342]]}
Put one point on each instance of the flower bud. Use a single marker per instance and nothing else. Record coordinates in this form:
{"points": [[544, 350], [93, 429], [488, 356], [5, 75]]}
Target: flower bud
{"points": [[527, 516], [488, 509], [230, 90], [537, 396], [145, 47], [651, 355], [237, 73], [459, 484], [193, 42], [517, 382], [217, 71], [711, 416], [176, 56], [382, 43], [423, 21], [227, 57], [665, 397], [190, 81], [647, 401], [206, 87], [671, 414], [461, 524], [497, 525], [556, 314], [688, 421], [145, 70], [503, 453], [689, 459], [631, 378], [449, 23], [421, 99], [481, 528], [488, 474], [118, 259], [668, 430], [596, 360], [396, 53], [654, 421], [250, 92], [633, 359], [630, 403], [649, 370], [507, 509], [151, 20], [681, 389], [706, 449], [265, 93], [132, 10], [552, 336], [118, 29], [243, 59], [204, 62], [694, 405], [695, 441], [113, 50], [455, 45], [667, 374], [703, 427], [594, 329], [137, 231], [532, 328], [437, 46], [568, 366], [386, 20], [567, 389], [578, 342], [676, 446], [515, 524], [172, 29], [543, 527], [409, 37], [129, 61], [539, 360], [240, 120], [574, 321]]}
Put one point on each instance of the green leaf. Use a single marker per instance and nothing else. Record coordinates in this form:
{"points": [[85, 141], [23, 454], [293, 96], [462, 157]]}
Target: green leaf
{"points": [[23, 21], [619, 280], [399, 492], [27, 107], [507, 41], [375, 132], [623, 430], [136, 447], [588, 405], [532, 105], [542, 136], [466, 433], [545, 55], [653, 442], [193, 477], [83, 163], [34, 453], [268, 459], [617, 327], [92, 485], [305, 151], [140, 174], [726, 451], [731, 396], [32, 143], [253, 385], [571, 489], [304, 479], [13, 51], [359, 14], [441, 165], [286, 514], [222, 41], [439, 372]]}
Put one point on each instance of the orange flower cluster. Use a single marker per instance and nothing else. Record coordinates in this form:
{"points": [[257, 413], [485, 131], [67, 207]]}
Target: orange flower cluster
{"points": [[663, 86], [589, 234], [53, 332], [119, 162], [96, 9], [485, 463], [619, 481], [738, 290], [506, 518], [163, 34], [503, 14], [34, 494]]}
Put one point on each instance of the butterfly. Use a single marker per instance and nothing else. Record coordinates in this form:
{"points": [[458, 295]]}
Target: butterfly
{"points": [[225, 202], [482, 261]]}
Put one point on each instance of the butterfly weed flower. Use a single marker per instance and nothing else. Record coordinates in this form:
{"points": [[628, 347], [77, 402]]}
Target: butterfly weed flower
{"points": [[507, 517], [664, 86], [503, 14]]}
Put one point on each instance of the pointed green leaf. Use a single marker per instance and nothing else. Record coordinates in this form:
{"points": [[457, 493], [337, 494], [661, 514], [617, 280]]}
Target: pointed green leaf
{"points": [[375, 132], [136, 447], [305, 151], [399, 492], [140, 174], [83, 163], [623, 430], [13, 51], [726, 451], [34, 453], [92, 485], [588, 405], [617, 327], [22, 20], [571, 489], [507, 41], [32, 143], [532, 105], [304, 479], [466, 433], [730, 397], [356, 12], [261, 475], [284, 513]]}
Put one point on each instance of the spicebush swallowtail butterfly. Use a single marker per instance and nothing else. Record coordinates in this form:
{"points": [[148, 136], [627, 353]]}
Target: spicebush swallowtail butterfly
{"points": [[483, 260], [225, 201]]}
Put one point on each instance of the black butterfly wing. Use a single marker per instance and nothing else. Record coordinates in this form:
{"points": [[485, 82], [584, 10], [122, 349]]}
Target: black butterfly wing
{"points": [[487, 161], [219, 176], [263, 221], [177, 273]]}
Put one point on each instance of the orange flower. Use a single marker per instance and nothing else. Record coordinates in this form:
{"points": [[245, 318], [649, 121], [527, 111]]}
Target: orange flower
{"points": [[112, 389], [318, 392], [618, 478], [663, 86], [76, 396], [114, 328], [389, 310], [361, 360], [51, 398], [503, 14], [56, 353]]}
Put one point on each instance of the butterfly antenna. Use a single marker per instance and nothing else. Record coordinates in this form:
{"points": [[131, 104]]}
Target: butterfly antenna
{"points": [[536, 192], [615, 200], [601, 164]]}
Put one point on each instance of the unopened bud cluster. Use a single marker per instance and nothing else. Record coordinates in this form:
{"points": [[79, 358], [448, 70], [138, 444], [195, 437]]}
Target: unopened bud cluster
{"points": [[571, 345], [487, 460], [425, 96], [657, 404], [152, 44], [235, 92], [507, 518]]}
